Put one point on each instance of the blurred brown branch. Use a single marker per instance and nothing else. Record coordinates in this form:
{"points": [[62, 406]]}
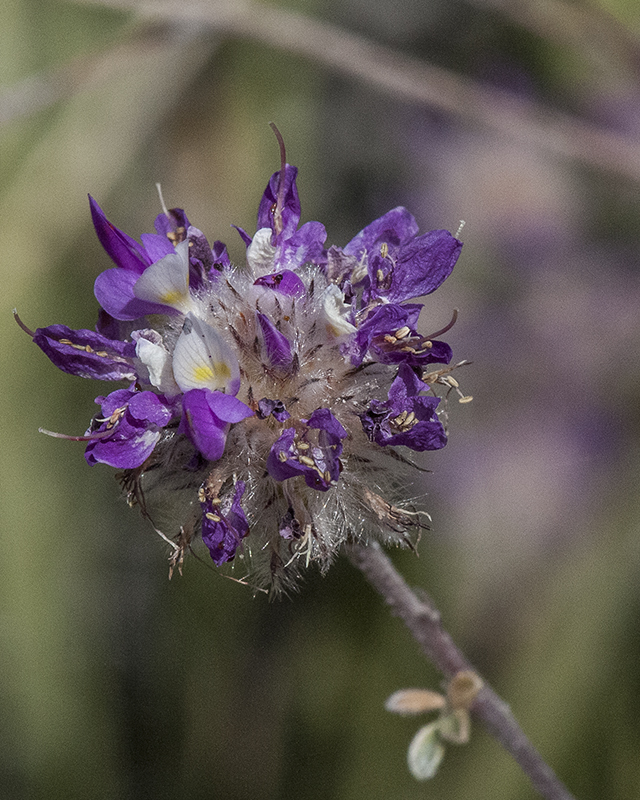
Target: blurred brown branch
{"points": [[423, 621], [599, 38], [404, 77], [46, 88]]}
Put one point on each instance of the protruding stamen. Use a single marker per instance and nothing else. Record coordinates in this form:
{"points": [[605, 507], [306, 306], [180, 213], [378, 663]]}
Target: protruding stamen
{"points": [[21, 323], [277, 214], [446, 327], [162, 203]]}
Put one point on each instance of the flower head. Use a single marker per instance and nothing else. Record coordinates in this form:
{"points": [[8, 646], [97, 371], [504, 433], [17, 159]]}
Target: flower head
{"points": [[265, 403]]}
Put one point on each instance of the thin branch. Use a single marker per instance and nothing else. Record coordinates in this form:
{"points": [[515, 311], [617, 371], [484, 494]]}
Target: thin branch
{"points": [[423, 621], [405, 77], [88, 71]]}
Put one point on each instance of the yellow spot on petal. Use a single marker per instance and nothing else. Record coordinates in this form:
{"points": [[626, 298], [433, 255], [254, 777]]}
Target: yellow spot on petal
{"points": [[171, 298]]}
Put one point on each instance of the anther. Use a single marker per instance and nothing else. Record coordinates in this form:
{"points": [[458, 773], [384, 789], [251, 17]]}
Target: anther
{"points": [[309, 462], [402, 333]]}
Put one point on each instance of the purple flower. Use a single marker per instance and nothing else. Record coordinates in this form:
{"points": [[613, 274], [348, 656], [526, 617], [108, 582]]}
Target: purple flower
{"points": [[279, 244], [207, 417], [406, 418], [295, 454], [255, 389], [87, 354], [401, 265], [224, 524], [389, 335], [128, 429]]}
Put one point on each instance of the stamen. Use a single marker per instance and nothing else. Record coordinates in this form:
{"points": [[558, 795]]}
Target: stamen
{"points": [[21, 323], [162, 203], [277, 213], [88, 438]]}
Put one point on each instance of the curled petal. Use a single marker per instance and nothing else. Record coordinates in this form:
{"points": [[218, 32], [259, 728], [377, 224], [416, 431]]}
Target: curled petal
{"points": [[86, 353], [406, 418]]}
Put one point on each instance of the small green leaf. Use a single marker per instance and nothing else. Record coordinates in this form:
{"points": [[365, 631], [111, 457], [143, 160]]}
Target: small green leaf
{"points": [[426, 751]]}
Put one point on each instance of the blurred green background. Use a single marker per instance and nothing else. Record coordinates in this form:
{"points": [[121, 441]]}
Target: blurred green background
{"points": [[115, 682]]}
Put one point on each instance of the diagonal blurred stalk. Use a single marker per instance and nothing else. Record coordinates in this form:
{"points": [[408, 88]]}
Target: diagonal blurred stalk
{"points": [[404, 77], [423, 621]]}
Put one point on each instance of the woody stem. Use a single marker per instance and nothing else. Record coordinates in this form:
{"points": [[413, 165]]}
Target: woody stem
{"points": [[422, 619]]}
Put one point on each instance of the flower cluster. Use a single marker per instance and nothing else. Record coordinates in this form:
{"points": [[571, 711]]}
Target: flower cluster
{"points": [[264, 404]]}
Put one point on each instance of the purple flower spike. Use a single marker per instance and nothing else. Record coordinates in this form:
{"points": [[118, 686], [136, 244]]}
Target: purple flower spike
{"points": [[277, 346], [87, 354], [406, 418], [285, 382], [293, 454], [207, 417], [129, 428], [224, 525]]}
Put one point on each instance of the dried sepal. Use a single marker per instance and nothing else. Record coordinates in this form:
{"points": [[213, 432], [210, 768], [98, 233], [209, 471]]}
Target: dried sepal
{"points": [[415, 701]]}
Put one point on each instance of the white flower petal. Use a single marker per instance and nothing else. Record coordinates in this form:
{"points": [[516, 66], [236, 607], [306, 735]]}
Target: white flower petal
{"points": [[202, 359], [167, 281], [157, 360], [261, 252], [336, 311]]}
